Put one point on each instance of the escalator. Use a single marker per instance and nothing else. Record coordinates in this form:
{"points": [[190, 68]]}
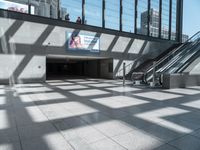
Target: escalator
{"points": [[176, 61], [139, 72]]}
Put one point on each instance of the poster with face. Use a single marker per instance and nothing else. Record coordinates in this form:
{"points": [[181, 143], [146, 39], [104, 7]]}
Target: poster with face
{"points": [[83, 42], [7, 5]]}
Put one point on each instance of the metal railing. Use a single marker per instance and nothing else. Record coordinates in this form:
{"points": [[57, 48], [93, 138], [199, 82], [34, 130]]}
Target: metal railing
{"points": [[128, 68], [189, 44]]}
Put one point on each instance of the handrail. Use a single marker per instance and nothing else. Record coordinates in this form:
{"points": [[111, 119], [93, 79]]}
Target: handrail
{"points": [[193, 38], [188, 61], [184, 55], [125, 67], [172, 52]]}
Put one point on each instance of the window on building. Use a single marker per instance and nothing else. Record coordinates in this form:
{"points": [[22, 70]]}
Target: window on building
{"points": [[112, 14], [93, 12], [165, 19], [154, 18], [173, 24], [44, 8], [71, 7], [142, 17], [15, 5], [128, 15]]}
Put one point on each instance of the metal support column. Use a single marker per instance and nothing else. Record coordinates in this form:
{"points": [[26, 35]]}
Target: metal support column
{"points": [[83, 11], [121, 11], [103, 13], [58, 11], [179, 22], [29, 7], [148, 18], [170, 19], [136, 5], [160, 18]]}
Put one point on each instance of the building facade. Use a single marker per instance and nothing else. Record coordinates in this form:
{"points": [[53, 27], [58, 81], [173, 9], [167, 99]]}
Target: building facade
{"points": [[133, 16], [154, 26], [33, 33]]}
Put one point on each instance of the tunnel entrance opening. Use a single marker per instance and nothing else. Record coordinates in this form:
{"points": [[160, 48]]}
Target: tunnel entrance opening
{"points": [[76, 68]]}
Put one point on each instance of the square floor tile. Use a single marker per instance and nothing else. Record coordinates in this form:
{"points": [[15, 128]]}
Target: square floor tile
{"points": [[74, 129], [55, 111], [76, 80], [47, 96], [163, 134], [88, 82], [186, 143], [196, 133], [29, 115], [118, 101], [60, 84], [72, 87], [94, 118], [102, 85], [183, 91], [54, 81], [3, 100], [90, 92], [78, 108], [2, 86], [106, 144], [166, 147], [33, 90], [28, 85], [9, 135], [160, 96], [29, 132], [80, 144], [158, 117], [50, 141], [112, 127], [114, 113], [6, 119], [137, 140], [2, 92], [10, 146], [123, 89], [193, 104]]}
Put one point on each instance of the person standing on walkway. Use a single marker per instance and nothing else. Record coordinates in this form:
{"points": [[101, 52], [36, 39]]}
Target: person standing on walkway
{"points": [[67, 17], [79, 20]]}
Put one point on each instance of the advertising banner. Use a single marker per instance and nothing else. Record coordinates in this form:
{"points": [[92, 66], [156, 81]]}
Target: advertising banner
{"points": [[79, 41], [7, 5]]}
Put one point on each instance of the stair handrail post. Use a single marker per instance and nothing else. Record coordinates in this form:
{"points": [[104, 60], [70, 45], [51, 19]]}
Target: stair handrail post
{"points": [[124, 73], [154, 73]]}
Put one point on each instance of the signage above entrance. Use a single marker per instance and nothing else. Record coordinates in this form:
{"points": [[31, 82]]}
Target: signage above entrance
{"points": [[80, 41]]}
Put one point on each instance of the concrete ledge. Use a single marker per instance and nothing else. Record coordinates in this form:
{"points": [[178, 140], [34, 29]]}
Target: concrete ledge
{"points": [[180, 80], [32, 80]]}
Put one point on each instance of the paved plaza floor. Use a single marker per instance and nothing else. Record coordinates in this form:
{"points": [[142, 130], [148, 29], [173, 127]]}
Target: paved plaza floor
{"points": [[98, 114]]}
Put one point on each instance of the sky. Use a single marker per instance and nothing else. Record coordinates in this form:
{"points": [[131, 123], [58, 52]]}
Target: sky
{"points": [[191, 18]]}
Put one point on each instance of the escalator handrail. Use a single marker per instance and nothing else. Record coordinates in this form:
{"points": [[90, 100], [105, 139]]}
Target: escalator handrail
{"points": [[172, 52], [179, 58], [188, 62], [193, 38]]}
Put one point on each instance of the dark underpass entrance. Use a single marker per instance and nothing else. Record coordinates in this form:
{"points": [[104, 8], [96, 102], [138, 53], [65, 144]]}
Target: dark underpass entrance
{"points": [[57, 68]]}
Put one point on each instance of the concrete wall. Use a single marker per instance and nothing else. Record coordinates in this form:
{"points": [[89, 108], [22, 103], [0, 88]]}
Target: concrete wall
{"points": [[21, 62], [104, 68], [180, 80], [25, 46], [193, 68]]}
